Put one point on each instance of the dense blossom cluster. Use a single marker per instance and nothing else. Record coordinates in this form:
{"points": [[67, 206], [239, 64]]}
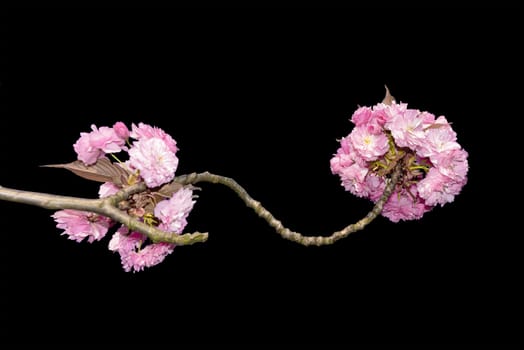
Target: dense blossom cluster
{"points": [[434, 165], [151, 159]]}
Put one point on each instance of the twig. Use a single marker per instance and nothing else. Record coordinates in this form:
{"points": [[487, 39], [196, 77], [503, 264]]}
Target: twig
{"points": [[277, 225], [109, 207], [104, 206]]}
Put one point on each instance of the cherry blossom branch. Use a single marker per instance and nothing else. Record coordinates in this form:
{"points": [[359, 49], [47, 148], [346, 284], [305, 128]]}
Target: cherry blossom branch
{"points": [[277, 225], [105, 206], [109, 207], [405, 152]]}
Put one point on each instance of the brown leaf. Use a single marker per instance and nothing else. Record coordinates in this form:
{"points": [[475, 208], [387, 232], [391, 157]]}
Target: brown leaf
{"points": [[170, 188], [102, 171], [164, 192], [388, 99]]}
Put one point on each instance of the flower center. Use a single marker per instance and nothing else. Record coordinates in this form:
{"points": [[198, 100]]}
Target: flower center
{"points": [[414, 169]]}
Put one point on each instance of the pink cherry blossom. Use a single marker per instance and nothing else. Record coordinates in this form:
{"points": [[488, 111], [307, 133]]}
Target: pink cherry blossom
{"points": [[339, 162], [345, 157], [404, 207], [173, 212], [372, 119], [133, 256], [134, 253], [389, 112], [439, 137], [374, 186], [107, 189], [362, 116], [94, 145], [353, 179], [436, 188], [151, 255], [428, 119], [407, 128], [80, 224], [145, 131], [434, 165], [453, 164], [122, 240], [106, 139], [369, 146], [155, 161], [85, 151], [121, 130]]}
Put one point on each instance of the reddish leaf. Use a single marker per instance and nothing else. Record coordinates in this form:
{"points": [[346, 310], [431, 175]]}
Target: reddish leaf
{"points": [[102, 171], [165, 192], [170, 188], [388, 99]]}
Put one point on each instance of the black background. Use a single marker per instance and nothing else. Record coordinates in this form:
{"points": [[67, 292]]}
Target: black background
{"points": [[262, 95]]}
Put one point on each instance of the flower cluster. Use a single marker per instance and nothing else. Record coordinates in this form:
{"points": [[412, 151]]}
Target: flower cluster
{"points": [[151, 159], [172, 214], [153, 154], [434, 165], [81, 224]]}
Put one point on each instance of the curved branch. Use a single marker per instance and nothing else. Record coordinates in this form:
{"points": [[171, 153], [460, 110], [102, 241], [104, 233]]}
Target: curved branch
{"points": [[277, 225], [109, 207], [104, 206]]}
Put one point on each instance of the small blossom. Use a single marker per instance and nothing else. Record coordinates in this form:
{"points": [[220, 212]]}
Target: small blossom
{"points": [[122, 240], [369, 146], [107, 189], [372, 119], [346, 156], [453, 164], [173, 212], [151, 255], [121, 130], [155, 161], [407, 128], [405, 206], [339, 162], [106, 139], [79, 225], [375, 186], [353, 179], [145, 131], [428, 119], [362, 116], [436, 188], [94, 145], [132, 255], [135, 255], [85, 151], [438, 138]]}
